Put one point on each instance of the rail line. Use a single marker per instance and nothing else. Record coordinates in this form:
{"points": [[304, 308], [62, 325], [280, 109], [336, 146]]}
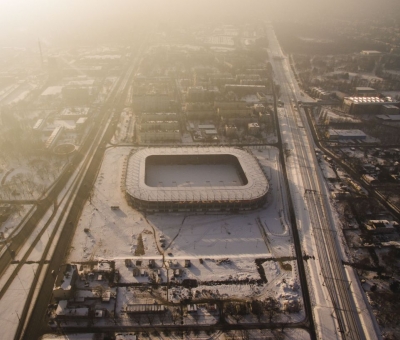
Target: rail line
{"points": [[80, 191], [335, 278]]}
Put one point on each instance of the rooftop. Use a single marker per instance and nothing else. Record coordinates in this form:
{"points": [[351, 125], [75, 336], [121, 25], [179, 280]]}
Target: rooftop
{"points": [[366, 100], [333, 132], [364, 88], [63, 310], [256, 187], [74, 111], [395, 118]]}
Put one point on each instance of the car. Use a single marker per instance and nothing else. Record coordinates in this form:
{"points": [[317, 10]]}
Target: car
{"points": [[170, 254]]}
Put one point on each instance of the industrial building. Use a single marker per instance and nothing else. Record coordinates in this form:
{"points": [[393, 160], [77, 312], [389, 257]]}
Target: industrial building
{"points": [[319, 93], [362, 91], [367, 105], [334, 134]]}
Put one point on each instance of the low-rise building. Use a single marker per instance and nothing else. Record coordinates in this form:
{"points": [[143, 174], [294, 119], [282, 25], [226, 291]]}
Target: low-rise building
{"points": [[334, 134], [159, 125], [153, 94], [231, 130], [253, 128], [362, 91], [234, 109], [65, 312], [381, 226], [391, 110], [159, 136], [63, 286], [74, 113], [259, 108], [55, 135], [389, 118], [320, 93], [199, 111], [367, 105], [145, 308]]}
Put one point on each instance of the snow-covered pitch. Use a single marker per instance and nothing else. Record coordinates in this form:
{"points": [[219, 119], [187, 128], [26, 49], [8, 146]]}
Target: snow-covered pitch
{"points": [[230, 196]]}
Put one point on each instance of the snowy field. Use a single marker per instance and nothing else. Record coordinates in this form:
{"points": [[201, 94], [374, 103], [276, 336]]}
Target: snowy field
{"points": [[192, 175], [27, 177], [10, 226], [17, 292], [186, 234], [221, 247]]}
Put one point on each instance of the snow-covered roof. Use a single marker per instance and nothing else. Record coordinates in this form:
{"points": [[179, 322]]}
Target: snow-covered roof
{"points": [[256, 187], [52, 90], [67, 279], [347, 133], [206, 126], [62, 309], [75, 111]]}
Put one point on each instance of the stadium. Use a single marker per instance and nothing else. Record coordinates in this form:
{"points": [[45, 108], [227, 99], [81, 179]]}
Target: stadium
{"points": [[194, 179]]}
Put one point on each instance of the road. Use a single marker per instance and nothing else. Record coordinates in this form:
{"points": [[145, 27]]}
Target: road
{"points": [[91, 157], [307, 182]]}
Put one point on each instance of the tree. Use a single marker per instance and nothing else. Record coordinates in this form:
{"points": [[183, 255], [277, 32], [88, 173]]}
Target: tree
{"points": [[257, 308], [235, 310], [272, 307], [175, 315], [162, 316], [150, 318], [196, 317]]}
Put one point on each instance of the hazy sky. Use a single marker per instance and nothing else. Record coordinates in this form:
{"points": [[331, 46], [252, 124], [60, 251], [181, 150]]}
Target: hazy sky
{"points": [[24, 21]]}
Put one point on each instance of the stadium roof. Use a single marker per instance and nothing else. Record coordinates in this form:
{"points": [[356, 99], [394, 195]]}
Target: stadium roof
{"points": [[256, 187]]}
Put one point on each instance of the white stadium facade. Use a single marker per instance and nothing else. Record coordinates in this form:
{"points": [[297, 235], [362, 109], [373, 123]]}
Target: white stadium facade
{"points": [[194, 179]]}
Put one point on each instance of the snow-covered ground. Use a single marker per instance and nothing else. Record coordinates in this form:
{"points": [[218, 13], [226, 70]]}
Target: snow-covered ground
{"points": [[17, 292], [221, 247], [22, 178], [16, 219], [199, 175], [20, 93], [289, 122]]}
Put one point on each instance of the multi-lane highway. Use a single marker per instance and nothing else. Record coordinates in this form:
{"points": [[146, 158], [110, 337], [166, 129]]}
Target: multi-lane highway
{"points": [[81, 191], [307, 183]]}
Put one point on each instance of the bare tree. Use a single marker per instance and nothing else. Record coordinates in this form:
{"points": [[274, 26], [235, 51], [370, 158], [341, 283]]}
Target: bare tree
{"points": [[150, 318], [137, 318], [257, 308], [236, 310], [162, 316], [272, 307], [196, 317], [175, 315]]}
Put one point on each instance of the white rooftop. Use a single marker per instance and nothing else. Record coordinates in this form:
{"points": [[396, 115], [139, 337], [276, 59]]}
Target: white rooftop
{"points": [[334, 132], [256, 187], [66, 282], [52, 90], [74, 111], [72, 312]]}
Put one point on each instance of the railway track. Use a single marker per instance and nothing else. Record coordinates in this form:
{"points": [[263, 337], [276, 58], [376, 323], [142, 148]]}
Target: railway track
{"points": [[93, 154], [332, 270]]}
